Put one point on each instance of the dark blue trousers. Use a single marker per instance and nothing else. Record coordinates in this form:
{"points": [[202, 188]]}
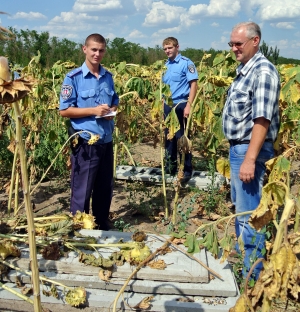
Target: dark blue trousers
{"points": [[171, 145], [92, 176]]}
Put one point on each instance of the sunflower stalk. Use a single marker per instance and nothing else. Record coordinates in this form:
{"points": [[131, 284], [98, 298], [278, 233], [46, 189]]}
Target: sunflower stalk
{"points": [[181, 166], [162, 158], [12, 179], [27, 202], [52, 163], [42, 278], [143, 263], [23, 297]]}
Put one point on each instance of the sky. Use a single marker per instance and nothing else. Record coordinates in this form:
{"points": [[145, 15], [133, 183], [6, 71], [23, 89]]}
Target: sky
{"points": [[199, 24]]}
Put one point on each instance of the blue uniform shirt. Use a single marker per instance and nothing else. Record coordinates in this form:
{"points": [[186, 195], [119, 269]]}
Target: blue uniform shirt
{"points": [[179, 73], [82, 89]]}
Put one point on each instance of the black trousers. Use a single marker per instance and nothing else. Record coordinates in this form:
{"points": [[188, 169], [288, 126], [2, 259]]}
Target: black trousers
{"points": [[171, 145], [92, 177]]}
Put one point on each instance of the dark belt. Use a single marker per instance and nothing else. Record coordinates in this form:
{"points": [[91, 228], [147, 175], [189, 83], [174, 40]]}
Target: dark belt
{"points": [[237, 142]]}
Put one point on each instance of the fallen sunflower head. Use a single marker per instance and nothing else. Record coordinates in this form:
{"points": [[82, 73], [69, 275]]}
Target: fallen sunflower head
{"points": [[76, 297]]}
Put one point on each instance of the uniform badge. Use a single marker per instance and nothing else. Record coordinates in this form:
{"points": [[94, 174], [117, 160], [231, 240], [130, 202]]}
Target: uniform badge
{"points": [[66, 92], [191, 68]]}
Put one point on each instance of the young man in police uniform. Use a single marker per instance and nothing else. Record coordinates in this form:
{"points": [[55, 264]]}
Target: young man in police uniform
{"points": [[86, 94], [250, 123], [181, 76]]}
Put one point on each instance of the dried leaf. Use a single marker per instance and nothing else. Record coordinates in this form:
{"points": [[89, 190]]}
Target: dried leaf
{"points": [[196, 221], [223, 167], [157, 264], [272, 197], [172, 123], [144, 304], [105, 275], [139, 236], [26, 290]]}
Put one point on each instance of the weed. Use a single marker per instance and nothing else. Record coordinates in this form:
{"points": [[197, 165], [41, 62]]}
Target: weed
{"points": [[121, 225]]}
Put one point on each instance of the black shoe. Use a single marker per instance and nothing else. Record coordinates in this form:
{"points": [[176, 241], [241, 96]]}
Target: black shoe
{"points": [[104, 226], [186, 178]]}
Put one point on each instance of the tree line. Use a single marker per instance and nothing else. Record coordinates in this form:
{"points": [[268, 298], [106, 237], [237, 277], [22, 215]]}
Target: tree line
{"points": [[26, 43]]}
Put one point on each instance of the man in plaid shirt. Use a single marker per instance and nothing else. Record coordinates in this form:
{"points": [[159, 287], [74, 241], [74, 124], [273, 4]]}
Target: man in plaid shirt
{"points": [[250, 123]]}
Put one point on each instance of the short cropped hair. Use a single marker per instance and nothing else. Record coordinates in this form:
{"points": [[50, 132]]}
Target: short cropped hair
{"points": [[170, 40], [96, 38], [252, 29]]}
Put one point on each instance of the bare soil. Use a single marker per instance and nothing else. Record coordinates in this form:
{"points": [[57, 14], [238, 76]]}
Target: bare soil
{"points": [[135, 205]]}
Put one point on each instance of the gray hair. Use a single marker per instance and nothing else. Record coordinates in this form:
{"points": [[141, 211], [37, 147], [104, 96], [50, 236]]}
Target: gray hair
{"points": [[252, 29]]}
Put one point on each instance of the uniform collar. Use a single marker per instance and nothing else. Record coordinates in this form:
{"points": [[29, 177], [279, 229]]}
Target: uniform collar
{"points": [[243, 69], [176, 59], [85, 70]]}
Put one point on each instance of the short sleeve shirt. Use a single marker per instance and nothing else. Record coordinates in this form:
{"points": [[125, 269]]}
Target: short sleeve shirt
{"points": [[179, 73], [254, 93], [83, 89]]}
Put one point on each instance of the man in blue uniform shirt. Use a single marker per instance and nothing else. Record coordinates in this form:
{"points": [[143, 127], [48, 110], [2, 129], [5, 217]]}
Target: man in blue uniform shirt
{"points": [[250, 123], [181, 76], [88, 93]]}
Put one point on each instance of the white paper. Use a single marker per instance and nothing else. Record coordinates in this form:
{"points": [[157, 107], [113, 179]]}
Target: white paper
{"points": [[110, 114]]}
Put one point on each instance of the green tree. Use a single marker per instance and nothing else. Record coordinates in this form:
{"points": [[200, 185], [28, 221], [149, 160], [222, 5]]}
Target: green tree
{"points": [[271, 54]]}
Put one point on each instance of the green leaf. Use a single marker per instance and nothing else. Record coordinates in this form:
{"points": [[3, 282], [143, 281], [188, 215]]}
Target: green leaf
{"points": [[219, 59]]}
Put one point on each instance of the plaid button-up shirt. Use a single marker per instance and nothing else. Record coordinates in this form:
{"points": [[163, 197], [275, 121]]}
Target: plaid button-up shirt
{"points": [[254, 93]]}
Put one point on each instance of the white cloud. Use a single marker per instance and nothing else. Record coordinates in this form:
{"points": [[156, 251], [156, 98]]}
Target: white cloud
{"points": [[224, 8], [143, 5], [28, 16], [166, 31], [284, 25], [214, 24], [162, 13], [136, 34], [224, 39], [96, 5], [275, 9], [198, 9], [72, 18]]}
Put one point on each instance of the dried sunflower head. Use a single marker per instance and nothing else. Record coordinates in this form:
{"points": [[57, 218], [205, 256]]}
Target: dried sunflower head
{"points": [[184, 145], [76, 297], [83, 220], [94, 138]]}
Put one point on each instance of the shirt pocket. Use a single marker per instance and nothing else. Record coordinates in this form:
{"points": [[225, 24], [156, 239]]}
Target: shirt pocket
{"points": [[105, 96], [87, 98], [176, 76], [238, 104]]}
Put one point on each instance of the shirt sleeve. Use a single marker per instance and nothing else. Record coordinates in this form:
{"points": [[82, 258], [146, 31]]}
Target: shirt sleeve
{"points": [[191, 71], [68, 94], [115, 98], [264, 96]]}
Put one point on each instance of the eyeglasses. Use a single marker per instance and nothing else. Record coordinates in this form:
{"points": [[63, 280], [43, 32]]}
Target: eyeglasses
{"points": [[238, 44]]}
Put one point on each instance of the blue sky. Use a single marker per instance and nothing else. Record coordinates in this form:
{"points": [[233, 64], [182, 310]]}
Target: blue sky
{"points": [[199, 24]]}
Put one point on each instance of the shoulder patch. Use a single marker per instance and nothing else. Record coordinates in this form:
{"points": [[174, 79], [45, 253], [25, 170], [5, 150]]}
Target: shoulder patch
{"points": [[74, 72], [191, 68], [66, 92]]}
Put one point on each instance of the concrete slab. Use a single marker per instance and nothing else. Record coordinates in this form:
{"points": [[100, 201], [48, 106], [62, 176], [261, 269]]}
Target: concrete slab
{"points": [[103, 301], [200, 179], [212, 295]]}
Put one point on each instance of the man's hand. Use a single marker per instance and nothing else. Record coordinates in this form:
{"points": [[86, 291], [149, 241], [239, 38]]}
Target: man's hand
{"points": [[186, 111], [102, 110], [247, 170]]}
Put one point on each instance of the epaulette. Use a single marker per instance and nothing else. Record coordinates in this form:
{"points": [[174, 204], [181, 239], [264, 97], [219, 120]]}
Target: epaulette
{"points": [[184, 58], [74, 72]]}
